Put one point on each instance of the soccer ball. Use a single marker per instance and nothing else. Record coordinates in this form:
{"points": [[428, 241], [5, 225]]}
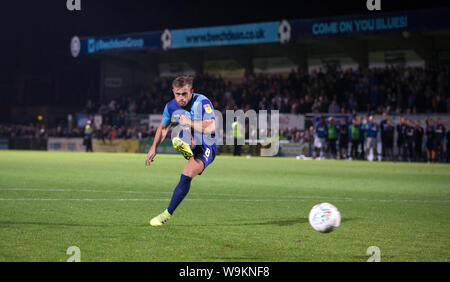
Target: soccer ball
{"points": [[324, 217]]}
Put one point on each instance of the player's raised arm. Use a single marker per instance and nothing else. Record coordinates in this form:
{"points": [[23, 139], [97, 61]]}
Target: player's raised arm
{"points": [[203, 126], [160, 135]]}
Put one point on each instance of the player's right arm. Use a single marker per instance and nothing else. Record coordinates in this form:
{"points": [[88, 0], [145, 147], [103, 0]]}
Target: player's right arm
{"points": [[160, 135]]}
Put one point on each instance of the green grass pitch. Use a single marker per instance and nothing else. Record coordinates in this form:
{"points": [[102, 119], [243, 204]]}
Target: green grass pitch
{"points": [[240, 209]]}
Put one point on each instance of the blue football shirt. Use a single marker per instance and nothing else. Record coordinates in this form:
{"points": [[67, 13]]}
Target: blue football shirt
{"points": [[199, 109]]}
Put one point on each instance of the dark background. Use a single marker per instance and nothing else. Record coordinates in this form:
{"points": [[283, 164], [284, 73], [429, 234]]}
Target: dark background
{"points": [[37, 68]]}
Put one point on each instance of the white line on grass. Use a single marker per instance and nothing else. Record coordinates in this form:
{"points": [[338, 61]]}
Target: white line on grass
{"points": [[269, 199], [147, 199], [109, 191]]}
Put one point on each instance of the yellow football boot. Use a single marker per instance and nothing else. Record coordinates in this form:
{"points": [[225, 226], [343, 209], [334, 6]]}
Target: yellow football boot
{"points": [[182, 147]]}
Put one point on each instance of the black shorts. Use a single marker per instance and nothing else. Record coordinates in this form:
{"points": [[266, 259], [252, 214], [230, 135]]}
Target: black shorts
{"points": [[388, 145], [431, 145], [343, 144]]}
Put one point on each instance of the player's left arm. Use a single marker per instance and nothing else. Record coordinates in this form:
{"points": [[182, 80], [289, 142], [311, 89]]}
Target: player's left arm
{"points": [[203, 126], [204, 122]]}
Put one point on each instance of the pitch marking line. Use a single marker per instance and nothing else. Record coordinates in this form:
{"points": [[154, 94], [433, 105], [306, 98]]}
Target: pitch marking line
{"points": [[271, 199]]}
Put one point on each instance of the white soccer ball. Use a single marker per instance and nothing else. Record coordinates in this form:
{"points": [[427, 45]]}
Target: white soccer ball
{"points": [[324, 217]]}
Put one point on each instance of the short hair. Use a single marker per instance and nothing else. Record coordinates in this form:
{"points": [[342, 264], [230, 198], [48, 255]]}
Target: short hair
{"points": [[182, 81]]}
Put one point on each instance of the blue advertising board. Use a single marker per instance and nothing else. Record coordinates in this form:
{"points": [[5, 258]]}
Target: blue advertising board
{"points": [[268, 32], [430, 19], [123, 42], [225, 35]]}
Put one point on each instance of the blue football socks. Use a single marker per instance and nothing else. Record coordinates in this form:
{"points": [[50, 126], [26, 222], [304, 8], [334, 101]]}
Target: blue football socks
{"points": [[180, 192]]}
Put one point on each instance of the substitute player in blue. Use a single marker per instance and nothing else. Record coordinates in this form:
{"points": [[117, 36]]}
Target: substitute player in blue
{"points": [[371, 139], [321, 137], [188, 112]]}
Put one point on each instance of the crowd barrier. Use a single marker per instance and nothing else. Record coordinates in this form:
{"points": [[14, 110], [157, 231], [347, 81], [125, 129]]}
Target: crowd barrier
{"points": [[286, 149], [164, 147], [116, 145], [4, 144], [65, 144], [26, 143]]}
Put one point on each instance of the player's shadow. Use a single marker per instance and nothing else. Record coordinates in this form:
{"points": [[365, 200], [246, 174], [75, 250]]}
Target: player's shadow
{"points": [[278, 222], [284, 222]]}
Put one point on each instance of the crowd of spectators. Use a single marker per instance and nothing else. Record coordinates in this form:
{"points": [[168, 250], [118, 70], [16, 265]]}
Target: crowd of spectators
{"points": [[362, 138], [392, 90]]}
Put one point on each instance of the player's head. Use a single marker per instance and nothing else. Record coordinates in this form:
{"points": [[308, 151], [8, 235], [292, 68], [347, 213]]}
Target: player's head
{"points": [[322, 119], [182, 89], [331, 120]]}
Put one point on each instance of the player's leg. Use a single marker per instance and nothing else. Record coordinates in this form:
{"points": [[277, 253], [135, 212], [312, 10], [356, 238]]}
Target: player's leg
{"points": [[193, 168], [367, 151], [354, 149], [441, 152], [376, 154]]}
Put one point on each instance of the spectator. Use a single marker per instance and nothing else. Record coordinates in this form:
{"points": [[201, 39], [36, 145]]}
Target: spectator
{"points": [[362, 137], [418, 142], [334, 107], [431, 141], [410, 137], [88, 136], [383, 125], [355, 138], [332, 136], [371, 139], [401, 128], [448, 145], [389, 140], [321, 130], [440, 136], [238, 135], [343, 139]]}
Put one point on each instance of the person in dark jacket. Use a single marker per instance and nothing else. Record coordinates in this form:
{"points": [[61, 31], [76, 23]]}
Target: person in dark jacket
{"points": [[389, 140], [431, 141], [440, 137], [401, 127], [383, 125], [410, 137], [343, 139], [418, 142], [448, 146], [354, 133]]}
